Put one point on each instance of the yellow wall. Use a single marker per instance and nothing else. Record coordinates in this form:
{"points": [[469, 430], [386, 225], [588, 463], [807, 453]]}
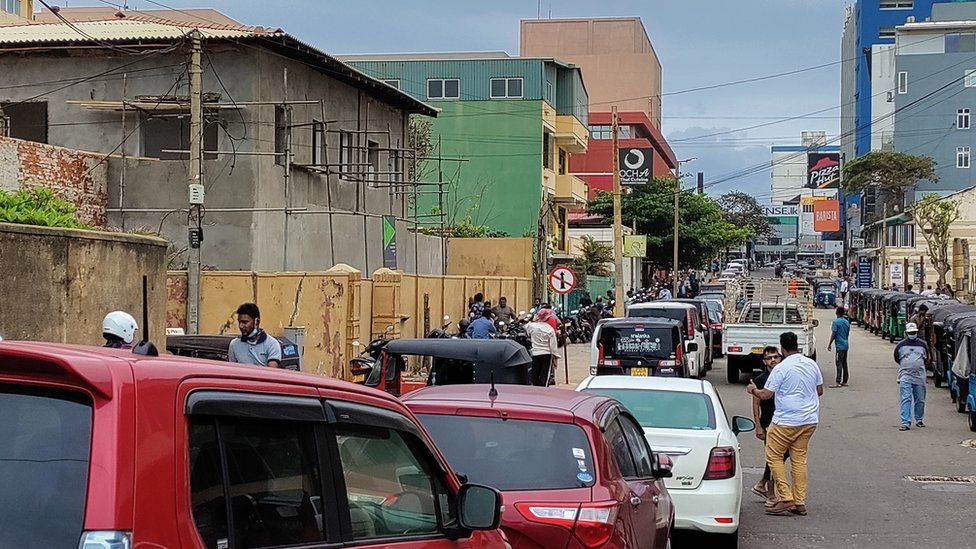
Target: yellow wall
{"points": [[509, 257]]}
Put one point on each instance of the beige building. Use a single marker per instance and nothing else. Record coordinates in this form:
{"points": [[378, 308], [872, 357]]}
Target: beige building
{"points": [[16, 11], [618, 60]]}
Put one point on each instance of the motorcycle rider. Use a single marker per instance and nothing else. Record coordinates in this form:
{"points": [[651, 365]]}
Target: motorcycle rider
{"points": [[482, 327], [119, 330]]}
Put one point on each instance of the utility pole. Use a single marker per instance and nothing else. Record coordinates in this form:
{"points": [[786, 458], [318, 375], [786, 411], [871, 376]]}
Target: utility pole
{"points": [[194, 187], [618, 230], [884, 241], [677, 192]]}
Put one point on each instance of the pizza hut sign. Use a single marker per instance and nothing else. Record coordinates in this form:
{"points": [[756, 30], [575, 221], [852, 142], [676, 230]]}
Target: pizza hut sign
{"points": [[823, 170]]}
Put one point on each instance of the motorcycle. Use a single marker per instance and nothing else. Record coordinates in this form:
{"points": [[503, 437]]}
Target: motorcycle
{"points": [[364, 367]]}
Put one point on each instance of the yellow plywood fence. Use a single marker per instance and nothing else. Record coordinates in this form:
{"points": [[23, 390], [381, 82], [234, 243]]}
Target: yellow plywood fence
{"points": [[338, 307]]}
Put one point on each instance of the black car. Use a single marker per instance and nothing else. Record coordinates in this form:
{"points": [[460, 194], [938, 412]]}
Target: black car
{"points": [[640, 347]]}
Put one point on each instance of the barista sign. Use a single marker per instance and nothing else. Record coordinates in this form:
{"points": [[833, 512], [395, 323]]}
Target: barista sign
{"points": [[635, 165]]}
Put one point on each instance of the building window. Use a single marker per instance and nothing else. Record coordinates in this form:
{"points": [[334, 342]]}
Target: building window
{"points": [[902, 82], [962, 157], [897, 4], [10, 6], [546, 150], [318, 143], [624, 132], [372, 160], [561, 216], [960, 43], [443, 88], [601, 132], [172, 133], [900, 236], [549, 96], [506, 88], [808, 208], [27, 121], [345, 153], [886, 32], [962, 119], [970, 78], [394, 82], [562, 162]]}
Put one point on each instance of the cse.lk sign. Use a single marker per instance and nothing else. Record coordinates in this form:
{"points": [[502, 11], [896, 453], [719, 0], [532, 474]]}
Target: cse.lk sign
{"points": [[635, 165], [776, 211]]}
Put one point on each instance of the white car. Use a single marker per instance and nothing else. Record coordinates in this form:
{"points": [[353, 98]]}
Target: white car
{"points": [[685, 420]]}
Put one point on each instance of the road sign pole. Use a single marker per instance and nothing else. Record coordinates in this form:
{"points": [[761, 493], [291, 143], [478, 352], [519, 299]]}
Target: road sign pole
{"points": [[618, 231]]}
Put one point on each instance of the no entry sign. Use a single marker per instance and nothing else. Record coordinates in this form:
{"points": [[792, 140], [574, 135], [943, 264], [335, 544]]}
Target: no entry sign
{"points": [[562, 279]]}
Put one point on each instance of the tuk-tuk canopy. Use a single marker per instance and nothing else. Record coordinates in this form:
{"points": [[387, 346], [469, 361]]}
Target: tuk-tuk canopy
{"points": [[940, 312], [500, 353]]}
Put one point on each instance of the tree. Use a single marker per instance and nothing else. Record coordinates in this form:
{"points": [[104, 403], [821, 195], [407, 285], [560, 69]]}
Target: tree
{"points": [[703, 229], [742, 210], [594, 258], [888, 170], [934, 217]]}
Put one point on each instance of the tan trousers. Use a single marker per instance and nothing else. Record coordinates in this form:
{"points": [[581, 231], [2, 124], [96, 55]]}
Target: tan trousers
{"points": [[779, 440]]}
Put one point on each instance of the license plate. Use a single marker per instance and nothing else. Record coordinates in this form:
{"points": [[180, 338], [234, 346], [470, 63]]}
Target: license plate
{"points": [[641, 372], [757, 350], [359, 379]]}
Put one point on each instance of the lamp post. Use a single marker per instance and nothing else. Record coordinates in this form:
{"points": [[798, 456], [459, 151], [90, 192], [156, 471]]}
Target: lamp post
{"points": [[677, 192]]}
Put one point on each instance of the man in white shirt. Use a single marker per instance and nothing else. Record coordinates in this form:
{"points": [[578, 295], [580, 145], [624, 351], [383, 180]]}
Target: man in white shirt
{"points": [[797, 385]]}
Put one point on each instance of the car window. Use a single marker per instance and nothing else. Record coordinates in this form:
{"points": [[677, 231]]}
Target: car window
{"points": [[639, 448], [637, 340], [513, 454], [45, 438], [390, 486], [664, 409], [275, 484], [621, 451]]}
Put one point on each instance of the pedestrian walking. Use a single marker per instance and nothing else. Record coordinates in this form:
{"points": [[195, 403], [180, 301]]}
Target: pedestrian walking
{"points": [[840, 333], [544, 347], [482, 327], [845, 286], [762, 413], [911, 354], [254, 346], [797, 384]]}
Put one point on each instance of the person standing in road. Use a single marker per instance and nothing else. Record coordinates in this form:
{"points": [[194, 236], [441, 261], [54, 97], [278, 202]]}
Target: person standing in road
{"points": [[911, 354], [544, 347], [845, 287], [482, 327], [840, 333], [797, 385], [502, 312], [762, 413], [254, 346]]}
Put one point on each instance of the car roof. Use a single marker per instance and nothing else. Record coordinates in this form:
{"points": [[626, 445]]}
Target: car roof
{"points": [[555, 404], [676, 384], [665, 304], [98, 369], [654, 321]]}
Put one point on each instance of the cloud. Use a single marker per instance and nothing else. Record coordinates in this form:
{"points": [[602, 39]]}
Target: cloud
{"points": [[725, 156]]}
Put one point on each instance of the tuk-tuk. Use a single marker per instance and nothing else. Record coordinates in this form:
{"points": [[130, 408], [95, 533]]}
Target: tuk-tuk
{"points": [[877, 310], [963, 373], [215, 347], [453, 361], [855, 298], [898, 316], [951, 327], [944, 341], [826, 296]]}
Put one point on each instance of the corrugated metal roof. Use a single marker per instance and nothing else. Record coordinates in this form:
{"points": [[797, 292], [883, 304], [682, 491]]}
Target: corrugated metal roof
{"points": [[110, 31]]}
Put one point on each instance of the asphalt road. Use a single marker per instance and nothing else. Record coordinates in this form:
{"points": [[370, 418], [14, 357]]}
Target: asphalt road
{"points": [[859, 497]]}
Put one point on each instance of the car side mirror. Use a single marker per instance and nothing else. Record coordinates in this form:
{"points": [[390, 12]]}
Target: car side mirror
{"points": [[662, 466], [742, 425], [479, 507], [691, 347]]}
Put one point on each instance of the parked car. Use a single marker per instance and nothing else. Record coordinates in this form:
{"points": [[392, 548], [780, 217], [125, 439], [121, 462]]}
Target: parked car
{"points": [[716, 318], [573, 468], [706, 327], [685, 419], [639, 347], [116, 449], [692, 323]]}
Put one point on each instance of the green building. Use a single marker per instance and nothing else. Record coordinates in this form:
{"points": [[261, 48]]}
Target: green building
{"points": [[514, 121]]}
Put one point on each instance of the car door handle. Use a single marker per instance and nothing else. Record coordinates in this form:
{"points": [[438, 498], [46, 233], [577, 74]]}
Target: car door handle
{"points": [[635, 501]]}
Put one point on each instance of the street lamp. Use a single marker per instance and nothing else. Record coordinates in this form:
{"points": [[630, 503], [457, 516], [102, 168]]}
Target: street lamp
{"points": [[677, 192]]}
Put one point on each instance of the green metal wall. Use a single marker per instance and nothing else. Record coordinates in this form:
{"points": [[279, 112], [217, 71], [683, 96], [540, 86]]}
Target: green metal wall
{"points": [[475, 75], [501, 181]]}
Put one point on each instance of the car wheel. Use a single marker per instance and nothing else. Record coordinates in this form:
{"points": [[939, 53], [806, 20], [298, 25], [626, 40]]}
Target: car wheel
{"points": [[732, 369]]}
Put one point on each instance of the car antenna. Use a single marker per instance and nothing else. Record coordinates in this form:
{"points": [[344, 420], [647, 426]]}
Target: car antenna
{"points": [[145, 347], [493, 393]]}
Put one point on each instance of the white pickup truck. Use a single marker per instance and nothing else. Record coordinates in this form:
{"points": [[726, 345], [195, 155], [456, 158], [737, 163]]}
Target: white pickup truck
{"points": [[759, 324]]}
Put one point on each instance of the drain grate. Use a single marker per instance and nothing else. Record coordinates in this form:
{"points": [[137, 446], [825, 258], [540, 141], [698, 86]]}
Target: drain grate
{"points": [[936, 479], [971, 444]]}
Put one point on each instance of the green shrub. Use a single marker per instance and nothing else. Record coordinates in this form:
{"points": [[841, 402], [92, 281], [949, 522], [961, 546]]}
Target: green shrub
{"points": [[38, 206]]}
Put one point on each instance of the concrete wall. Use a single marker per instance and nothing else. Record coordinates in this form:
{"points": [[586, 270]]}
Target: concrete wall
{"points": [[58, 284], [244, 227], [78, 177], [490, 257]]}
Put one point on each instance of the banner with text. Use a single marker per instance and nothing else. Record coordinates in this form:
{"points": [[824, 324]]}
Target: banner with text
{"points": [[826, 216], [823, 170]]}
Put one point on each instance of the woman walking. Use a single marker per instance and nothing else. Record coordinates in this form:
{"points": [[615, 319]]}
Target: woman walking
{"points": [[544, 347]]}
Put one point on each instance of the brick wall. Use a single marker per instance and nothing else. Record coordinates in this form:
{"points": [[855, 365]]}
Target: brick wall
{"points": [[76, 176]]}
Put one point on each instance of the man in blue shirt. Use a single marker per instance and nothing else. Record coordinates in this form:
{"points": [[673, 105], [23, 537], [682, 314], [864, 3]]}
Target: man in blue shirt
{"points": [[840, 332], [482, 327]]}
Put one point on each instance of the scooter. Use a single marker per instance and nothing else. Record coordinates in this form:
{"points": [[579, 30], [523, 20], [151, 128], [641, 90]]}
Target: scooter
{"points": [[364, 367]]}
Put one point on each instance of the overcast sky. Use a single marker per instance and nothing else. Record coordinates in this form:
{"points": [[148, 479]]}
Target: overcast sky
{"points": [[699, 42]]}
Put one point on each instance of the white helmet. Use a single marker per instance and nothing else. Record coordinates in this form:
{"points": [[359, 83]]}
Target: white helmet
{"points": [[120, 324]]}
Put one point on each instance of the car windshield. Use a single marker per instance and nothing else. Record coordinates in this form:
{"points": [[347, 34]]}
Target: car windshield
{"points": [[674, 313], [665, 409], [642, 341], [44, 456], [513, 454]]}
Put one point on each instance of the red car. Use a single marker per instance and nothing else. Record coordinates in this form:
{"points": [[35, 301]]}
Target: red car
{"points": [[574, 469], [106, 449]]}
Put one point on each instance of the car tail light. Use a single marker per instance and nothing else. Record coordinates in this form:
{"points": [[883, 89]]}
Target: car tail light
{"points": [[735, 349], [723, 520], [717, 326], [591, 523], [667, 363], [106, 539], [691, 325], [721, 463]]}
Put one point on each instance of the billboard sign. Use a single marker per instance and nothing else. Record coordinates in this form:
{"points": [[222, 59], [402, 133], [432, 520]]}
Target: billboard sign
{"points": [[635, 245], [864, 274], [389, 242], [826, 216], [777, 211], [635, 165], [823, 170], [897, 274]]}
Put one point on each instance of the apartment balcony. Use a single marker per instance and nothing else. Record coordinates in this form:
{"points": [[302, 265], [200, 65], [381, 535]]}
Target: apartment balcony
{"points": [[571, 134], [549, 181], [571, 190], [548, 116]]}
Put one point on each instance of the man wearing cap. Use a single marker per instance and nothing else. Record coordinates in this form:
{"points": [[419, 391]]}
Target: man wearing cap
{"points": [[911, 354]]}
